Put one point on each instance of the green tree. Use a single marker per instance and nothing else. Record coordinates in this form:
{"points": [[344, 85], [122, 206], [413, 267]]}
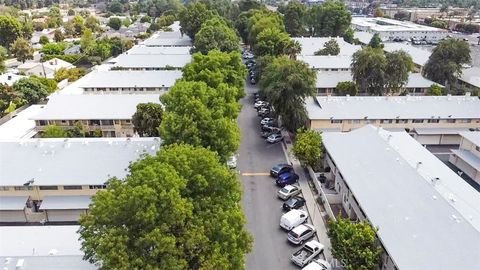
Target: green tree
{"points": [[446, 61], [242, 24], [193, 16], [22, 50], [54, 17], [435, 90], [294, 18], [115, 23], [217, 67], [54, 131], [329, 48], [145, 19], [247, 5], [181, 205], [27, 28], [216, 34], [44, 40], [439, 24], [78, 24], [330, 19], [261, 20], [399, 66], [87, 42], [355, 244], [3, 56], [126, 22], [346, 88], [286, 83], [272, 41], [58, 35], [349, 36], [308, 146], [10, 30], [368, 69], [93, 24], [78, 131], [72, 74], [8, 96], [147, 119], [116, 7], [32, 89], [54, 48], [71, 12], [376, 41], [378, 13], [199, 115]]}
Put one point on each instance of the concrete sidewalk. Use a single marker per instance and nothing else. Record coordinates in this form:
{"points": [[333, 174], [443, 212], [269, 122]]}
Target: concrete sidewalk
{"points": [[310, 198]]}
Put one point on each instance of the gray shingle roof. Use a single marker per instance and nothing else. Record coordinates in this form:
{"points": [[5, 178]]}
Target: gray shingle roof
{"points": [[88, 107], [76, 161], [421, 225]]}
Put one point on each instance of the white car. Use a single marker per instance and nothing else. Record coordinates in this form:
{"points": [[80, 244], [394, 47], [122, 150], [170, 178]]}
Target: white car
{"points": [[307, 253], [274, 138], [232, 162], [260, 103], [293, 218], [266, 120], [288, 191], [318, 265], [301, 233]]}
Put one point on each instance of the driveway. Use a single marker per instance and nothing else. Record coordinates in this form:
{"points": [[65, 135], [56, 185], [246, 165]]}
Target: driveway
{"points": [[271, 251]]}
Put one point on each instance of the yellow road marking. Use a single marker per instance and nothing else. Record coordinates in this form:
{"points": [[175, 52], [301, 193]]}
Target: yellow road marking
{"points": [[256, 174]]}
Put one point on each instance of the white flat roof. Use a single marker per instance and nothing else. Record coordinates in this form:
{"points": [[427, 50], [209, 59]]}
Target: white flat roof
{"points": [[388, 25], [363, 37], [21, 126], [9, 203], [330, 79], [175, 39], [327, 61], [421, 225], [152, 61], [142, 49], [393, 107], [419, 56], [74, 161], [42, 248], [65, 202], [473, 136], [10, 78], [440, 131], [88, 107], [471, 76], [127, 78], [312, 44]]}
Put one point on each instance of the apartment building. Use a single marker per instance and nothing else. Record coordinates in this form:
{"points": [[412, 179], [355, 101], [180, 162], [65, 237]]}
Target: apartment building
{"points": [[327, 82], [151, 61], [426, 215], [430, 119], [130, 82], [310, 45], [470, 79], [52, 180], [327, 62], [467, 157], [109, 115], [168, 39], [142, 49]]}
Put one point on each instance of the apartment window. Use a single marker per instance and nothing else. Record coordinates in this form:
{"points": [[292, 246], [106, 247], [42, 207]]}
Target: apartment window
{"points": [[465, 121], [401, 121], [477, 148], [72, 187], [433, 121], [24, 188], [43, 123], [357, 121], [128, 121], [386, 121], [417, 121], [97, 186], [336, 121], [2, 188], [451, 120], [107, 122], [48, 187]]}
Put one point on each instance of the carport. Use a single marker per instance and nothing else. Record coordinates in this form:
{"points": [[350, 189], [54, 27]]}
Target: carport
{"points": [[438, 136], [64, 208], [12, 208]]}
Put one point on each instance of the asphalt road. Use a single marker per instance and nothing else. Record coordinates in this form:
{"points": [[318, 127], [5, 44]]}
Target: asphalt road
{"points": [[271, 250]]}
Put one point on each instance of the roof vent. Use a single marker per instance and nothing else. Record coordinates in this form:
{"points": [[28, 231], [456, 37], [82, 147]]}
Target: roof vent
{"points": [[435, 180], [451, 198], [20, 264], [419, 165]]}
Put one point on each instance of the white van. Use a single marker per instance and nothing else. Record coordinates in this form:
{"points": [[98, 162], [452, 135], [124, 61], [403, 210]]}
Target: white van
{"points": [[293, 218]]}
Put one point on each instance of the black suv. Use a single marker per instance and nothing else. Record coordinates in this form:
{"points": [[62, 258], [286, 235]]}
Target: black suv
{"points": [[293, 203]]}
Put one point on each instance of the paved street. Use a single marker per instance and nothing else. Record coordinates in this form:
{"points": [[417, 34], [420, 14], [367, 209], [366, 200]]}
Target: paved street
{"points": [[271, 251]]}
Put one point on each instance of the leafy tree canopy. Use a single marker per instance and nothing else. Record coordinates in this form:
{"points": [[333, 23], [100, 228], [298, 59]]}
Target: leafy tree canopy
{"points": [[193, 16], [115, 23], [376, 41], [22, 50], [10, 30], [32, 89], [216, 34], [54, 131], [272, 41], [308, 146], [294, 18], [346, 88], [329, 48], [435, 90], [330, 19], [147, 119]]}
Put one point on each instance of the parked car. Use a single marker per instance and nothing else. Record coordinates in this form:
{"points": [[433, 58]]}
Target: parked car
{"points": [[307, 253], [281, 169], [267, 120], [293, 203], [260, 103], [288, 191], [232, 162], [268, 128], [275, 138], [292, 219], [301, 233], [266, 113], [252, 81], [318, 265], [288, 178], [272, 130]]}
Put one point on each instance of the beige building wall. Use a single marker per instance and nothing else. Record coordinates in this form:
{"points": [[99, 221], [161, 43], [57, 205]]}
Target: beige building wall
{"points": [[109, 128], [37, 193]]}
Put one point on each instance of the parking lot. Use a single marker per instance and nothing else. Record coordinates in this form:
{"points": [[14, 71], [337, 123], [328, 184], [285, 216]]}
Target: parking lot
{"points": [[271, 250]]}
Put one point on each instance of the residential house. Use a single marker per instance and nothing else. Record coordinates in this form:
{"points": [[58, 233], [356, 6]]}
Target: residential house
{"points": [[45, 69], [75, 49], [10, 78], [109, 115], [426, 216], [467, 157]]}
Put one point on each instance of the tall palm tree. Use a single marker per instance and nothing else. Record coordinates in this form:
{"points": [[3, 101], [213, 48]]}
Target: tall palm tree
{"points": [[293, 49]]}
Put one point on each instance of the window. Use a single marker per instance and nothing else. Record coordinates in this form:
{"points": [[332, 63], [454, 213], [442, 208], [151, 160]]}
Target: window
{"points": [[433, 121], [385, 121], [42, 123], [451, 120], [48, 187], [336, 121], [106, 122], [97, 187], [72, 187], [466, 121], [356, 121], [417, 121], [477, 148], [24, 188], [2, 188]]}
